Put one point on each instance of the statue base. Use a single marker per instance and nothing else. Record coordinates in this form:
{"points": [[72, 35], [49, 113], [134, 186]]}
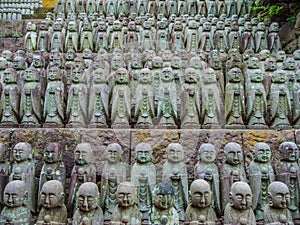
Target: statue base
{"points": [[190, 126], [52, 125], [167, 127], [235, 126], [144, 126], [97, 125], [29, 125], [9, 125], [212, 126], [258, 127], [120, 126]]}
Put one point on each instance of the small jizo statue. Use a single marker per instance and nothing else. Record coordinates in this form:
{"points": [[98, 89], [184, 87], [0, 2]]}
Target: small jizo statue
{"points": [[126, 212], [52, 203], [232, 170], [4, 171], [83, 160], [200, 206], [287, 171], [207, 170], [15, 209], [175, 170], [238, 210], [261, 174], [276, 211], [163, 210], [88, 205]]}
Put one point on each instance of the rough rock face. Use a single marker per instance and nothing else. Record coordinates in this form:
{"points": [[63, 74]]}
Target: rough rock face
{"points": [[158, 139]]}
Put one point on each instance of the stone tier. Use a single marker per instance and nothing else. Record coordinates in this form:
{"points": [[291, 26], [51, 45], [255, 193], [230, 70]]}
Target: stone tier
{"points": [[158, 139]]}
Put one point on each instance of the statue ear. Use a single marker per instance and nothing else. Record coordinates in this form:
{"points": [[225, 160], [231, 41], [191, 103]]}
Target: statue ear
{"points": [[25, 200], [270, 199], [230, 198], [62, 199]]}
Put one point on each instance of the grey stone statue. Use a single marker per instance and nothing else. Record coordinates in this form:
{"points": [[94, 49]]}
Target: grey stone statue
{"points": [[30, 39], [287, 171], [23, 162], [175, 171], [126, 212], [296, 99], [4, 171], [276, 211], [207, 170], [261, 175], [199, 210], [238, 210], [163, 210], [232, 170], [52, 204], [88, 205], [15, 208]]}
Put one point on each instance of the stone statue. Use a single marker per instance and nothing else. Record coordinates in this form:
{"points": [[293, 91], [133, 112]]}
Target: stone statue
{"points": [[116, 38], [256, 99], [232, 170], [15, 209], [212, 98], [206, 39], [220, 38], [86, 36], [190, 100], [163, 210], [72, 38], [276, 211], [101, 36], [279, 101], [98, 99], [121, 100], [113, 173], [144, 99], [175, 171], [296, 99], [10, 99], [126, 212], [43, 39], [287, 171], [234, 36], [88, 205], [289, 66], [52, 203], [260, 37], [53, 167], [23, 161], [57, 40], [191, 37], [274, 43], [167, 99], [238, 210], [206, 169], [247, 38], [77, 106], [54, 99], [4, 172], [30, 39], [261, 174], [177, 36], [200, 210], [234, 99], [31, 102], [269, 67], [83, 160]]}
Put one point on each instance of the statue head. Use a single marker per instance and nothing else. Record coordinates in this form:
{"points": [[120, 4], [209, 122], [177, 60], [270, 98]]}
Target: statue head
{"points": [[19, 63], [297, 76], [256, 75], [8, 55], [22, 152], [253, 63], [87, 197], [52, 194], [31, 74], [3, 63], [54, 74], [234, 75], [175, 153], [10, 76], [145, 76], [126, 194], [261, 26], [233, 153], [99, 76], [157, 62], [264, 54], [83, 154], [15, 194], [280, 56], [163, 195], [289, 151], [122, 76], [270, 64], [210, 76], [296, 54], [37, 60], [240, 196], [262, 152], [207, 153], [52, 153], [206, 26], [117, 62], [200, 194], [279, 76], [87, 53], [136, 63], [166, 75], [78, 75], [190, 75], [143, 153], [176, 62], [274, 27], [278, 195], [289, 64], [113, 153], [220, 25], [195, 62]]}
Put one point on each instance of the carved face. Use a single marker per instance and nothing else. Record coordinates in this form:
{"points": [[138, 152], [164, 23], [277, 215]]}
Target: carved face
{"points": [[290, 64], [99, 76], [175, 153], [167, 75], [145, 76], [117, 62], [122, 76], [279, 195], [274, 27], [296, 54], [19, 63], [22, 152], [87, 197], [15, 194], [176, 62], [10, 76], [126, 195], [261, 26], [280, 56], [52, 194], [113, 153], [256, 75], [210, 76], [207, 153], [51, 153], [157, 62], [117, 25], [53, 73], [190, 75], [87, 54], [143, 153], [70, 55], [262, 152], [3, 63], [270, 64], [289, 151], [136, 63], [235, 75], [200, 194], [30, 75], [220, 25], [83, 153], [279, 76], [264, 54], [37, 61], [8, 55], [240, 196], [163, 196], [233, 153], [206, 26], [78, 76]]}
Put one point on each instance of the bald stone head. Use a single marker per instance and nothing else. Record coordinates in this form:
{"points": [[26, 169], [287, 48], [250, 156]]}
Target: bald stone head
{"points": [[52, 194], [240, 196], [15, 194], [200, 194], [87, 197], [278, 195]]}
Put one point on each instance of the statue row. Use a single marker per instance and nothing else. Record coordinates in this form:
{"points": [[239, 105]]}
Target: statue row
{"points": [[148, 202], [99, 33], [155, 7]]}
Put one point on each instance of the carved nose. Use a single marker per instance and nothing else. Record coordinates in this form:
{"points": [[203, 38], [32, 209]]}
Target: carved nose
{"points": [[85, 204], [10, 199], [47, 200]]}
